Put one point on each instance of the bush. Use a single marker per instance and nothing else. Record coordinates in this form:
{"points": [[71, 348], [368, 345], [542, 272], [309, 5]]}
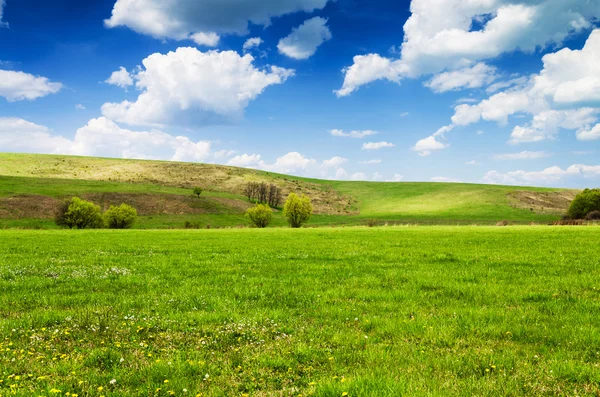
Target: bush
{"points": [[260, 216], [79, 214], [121, 217], [371, 222], [593, 216], [197, 191], [584, 203], [297, 210], [192, 225]]}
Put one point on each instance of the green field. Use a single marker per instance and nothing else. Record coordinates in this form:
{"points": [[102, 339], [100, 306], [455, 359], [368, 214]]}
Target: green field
{"points": [[31, 186], [415, 311]]}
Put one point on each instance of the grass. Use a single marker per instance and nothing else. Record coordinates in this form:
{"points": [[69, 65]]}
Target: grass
{"points": [[415, 311], [337, 202]]}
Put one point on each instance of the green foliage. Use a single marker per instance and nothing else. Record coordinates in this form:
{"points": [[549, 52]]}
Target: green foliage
{"points": [[260, 216], [297, 210], [79, 214], [121, 217], [593, 216], [585, 202], [198, 191]]}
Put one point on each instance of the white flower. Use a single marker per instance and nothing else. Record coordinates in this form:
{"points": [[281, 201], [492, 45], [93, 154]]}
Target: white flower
{"points": [[113, 381]]}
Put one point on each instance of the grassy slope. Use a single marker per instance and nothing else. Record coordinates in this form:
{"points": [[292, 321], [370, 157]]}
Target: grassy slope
{"points": [[395, 202], [436, 311]]}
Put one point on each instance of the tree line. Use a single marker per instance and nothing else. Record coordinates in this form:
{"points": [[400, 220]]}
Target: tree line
{"points": [[263, 193]]}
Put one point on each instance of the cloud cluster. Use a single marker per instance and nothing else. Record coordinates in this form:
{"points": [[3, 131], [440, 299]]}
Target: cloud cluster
{"points": [[304, 40], [352, 134], [2, 24], [121, 78], [193, 87], [201, 21], [547, 176], [377, 145], [448, 35], [18, 86], [100, 137]]}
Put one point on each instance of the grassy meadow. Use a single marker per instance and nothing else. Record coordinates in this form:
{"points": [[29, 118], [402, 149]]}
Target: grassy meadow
{"points": [[415, 311], [31, 186]]}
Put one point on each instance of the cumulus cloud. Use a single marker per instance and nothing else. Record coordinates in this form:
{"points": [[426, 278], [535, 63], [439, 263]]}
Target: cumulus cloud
{"points": [[190, 19], [370, 162], [444, 179], [427, 145], [251, 43], [590, 134], [352, 134], [445, 35], [525, 155], [564, 95], [206, 39], [100, 137], [547, 176], [377, 145], [18, 86], [79, 106], [304, 40], [190, 86], [469, 77], [397, 178], [294, 163], [121, 78], [359, 176], [369, 68]]}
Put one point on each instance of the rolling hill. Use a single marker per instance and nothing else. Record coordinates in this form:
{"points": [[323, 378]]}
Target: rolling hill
{"points": [[31, 186]]}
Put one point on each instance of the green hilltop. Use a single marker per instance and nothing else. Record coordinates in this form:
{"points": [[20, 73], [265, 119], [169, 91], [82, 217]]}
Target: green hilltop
{"points": [[31, 186]]}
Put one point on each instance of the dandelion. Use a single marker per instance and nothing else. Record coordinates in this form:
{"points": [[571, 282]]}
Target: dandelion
{"points": [[113, 381], [100, 388], [344, 394]]}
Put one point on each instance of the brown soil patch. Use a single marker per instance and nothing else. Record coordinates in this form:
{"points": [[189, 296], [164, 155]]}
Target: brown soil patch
{"points": [[556, 202], [28, 206]]}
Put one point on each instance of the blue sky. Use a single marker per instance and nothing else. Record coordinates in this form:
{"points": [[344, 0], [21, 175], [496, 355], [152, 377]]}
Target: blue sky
{"points": [[486, 91]]}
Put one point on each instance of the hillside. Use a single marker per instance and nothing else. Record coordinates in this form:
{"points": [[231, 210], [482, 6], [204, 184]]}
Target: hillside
{"points": [[32, 185]]}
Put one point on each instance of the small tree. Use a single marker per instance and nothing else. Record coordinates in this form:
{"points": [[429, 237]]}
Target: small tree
{"points": [[198, 191], [584, 203], [260, 216], [121, 217], [80, 214], [297, 210]]}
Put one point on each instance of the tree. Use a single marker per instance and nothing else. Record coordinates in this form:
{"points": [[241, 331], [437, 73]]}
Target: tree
{"points": [[297, 210], [198, 191], [262, 193], [260, 216], [121, 217], [584, 203], [80, 214]]}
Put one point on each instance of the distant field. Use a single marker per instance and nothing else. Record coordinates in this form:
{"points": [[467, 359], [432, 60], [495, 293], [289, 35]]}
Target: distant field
{"points": [[31, 186], [415, 311]]}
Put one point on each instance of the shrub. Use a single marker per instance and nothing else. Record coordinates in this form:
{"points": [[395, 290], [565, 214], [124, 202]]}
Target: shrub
{"points": [[121, 217], [593, 216], [502, 223], [260, 216], [80, 214], [372, 222], [192, 225], [584, 203], [197, 191], [297, 210]]}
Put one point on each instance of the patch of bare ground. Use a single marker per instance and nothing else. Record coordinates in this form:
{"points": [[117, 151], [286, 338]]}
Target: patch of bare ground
{"points": [[28, 206], [554, 202]]}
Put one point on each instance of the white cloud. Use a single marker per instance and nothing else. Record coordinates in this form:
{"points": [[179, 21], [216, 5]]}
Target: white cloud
{"points": [[370, 162], [444, 179], [469, 77], [369, 68], [304, 40], [101, 137], [252, 43], [79, 106], [564, 95], [425, 146], [397, 178], [194, 87], [547, 176], [206, 39], [246, 160], [18, 86], [352, 134], [525, 155], [185, 19], [450, 34], [404, 114], [335, 162], [472, 162], [121, 78], [589, 134], [377, 145], [359, 176]]}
